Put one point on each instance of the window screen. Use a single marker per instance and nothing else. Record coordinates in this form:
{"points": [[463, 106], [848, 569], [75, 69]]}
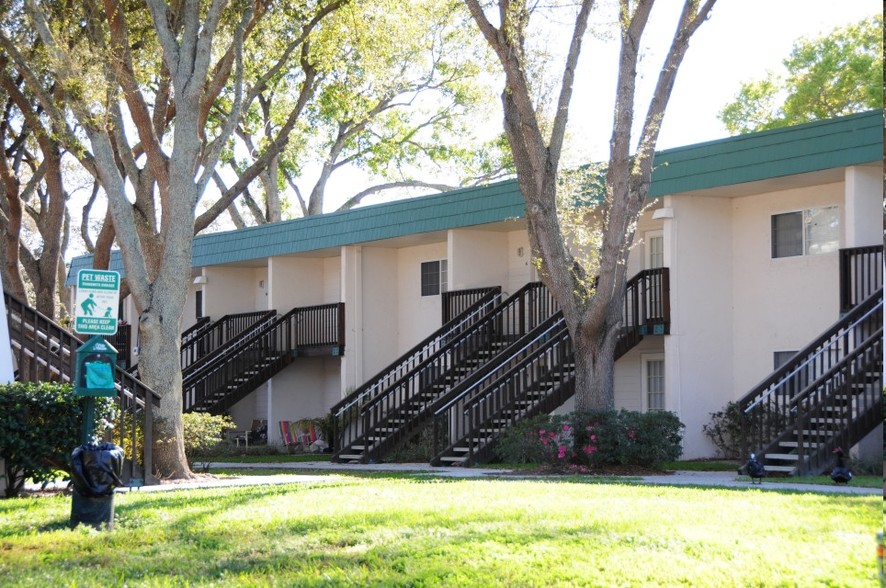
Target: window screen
{"points": [[787, 234], [806, 232], [433, 277]]}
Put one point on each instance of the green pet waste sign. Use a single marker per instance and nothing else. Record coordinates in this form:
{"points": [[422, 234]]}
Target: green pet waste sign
{"points": [[95, 308]]}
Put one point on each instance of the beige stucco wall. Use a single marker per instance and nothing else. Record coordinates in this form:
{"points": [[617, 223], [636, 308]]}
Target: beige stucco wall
{"points": [[863, 225], [477, 259], [698, 352], [417, 316], [295, 282], [369, 289], [780, 304], [732, 305], [521, 270], [307, 388], [231, 290]]}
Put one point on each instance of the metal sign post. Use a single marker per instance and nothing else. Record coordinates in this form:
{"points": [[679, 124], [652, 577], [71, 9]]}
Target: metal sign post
{"points": [[95, 313]]}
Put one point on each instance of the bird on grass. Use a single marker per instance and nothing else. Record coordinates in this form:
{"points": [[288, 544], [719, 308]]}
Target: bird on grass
{"points": [[754, 469], [840, 474]]}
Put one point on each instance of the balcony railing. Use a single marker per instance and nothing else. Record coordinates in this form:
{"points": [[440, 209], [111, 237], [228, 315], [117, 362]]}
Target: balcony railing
{"points": [[861, 274]]}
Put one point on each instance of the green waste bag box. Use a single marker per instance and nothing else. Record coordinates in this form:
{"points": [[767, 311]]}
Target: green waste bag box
{"points": [[94, 373]]}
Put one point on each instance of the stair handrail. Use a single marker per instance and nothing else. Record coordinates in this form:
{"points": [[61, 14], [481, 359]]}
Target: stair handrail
{"points": [[838, 367], [194, 330], [638, 278], [248, 339], [778, 378], [481, 307], [132, 394], [459, 339], [552, 337], [520, 366], [262, 317], [72, 341], [236, 345], [845, 367], [543, 331]]}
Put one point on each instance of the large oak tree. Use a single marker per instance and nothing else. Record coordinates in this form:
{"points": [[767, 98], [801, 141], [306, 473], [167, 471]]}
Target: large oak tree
{"points": [[157, 90], [591, 297]]}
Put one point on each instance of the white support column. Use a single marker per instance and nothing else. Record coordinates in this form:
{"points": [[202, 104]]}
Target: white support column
{"points": [[863, 206], [7, 374], [351, 294]]}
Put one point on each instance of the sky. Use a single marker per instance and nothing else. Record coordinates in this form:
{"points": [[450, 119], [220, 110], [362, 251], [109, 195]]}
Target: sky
{"points": [[740, 42]]}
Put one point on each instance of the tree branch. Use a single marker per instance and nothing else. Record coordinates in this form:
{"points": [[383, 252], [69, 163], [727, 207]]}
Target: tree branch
{"points": [[357, 198]]}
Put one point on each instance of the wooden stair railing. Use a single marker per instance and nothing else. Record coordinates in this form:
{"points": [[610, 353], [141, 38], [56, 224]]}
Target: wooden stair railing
{"points": [[861, 274], [396, 415], [369, 426], [199, 345], [43, 351], [346, 412], [828, 394], [455, 303], [535, 377], [195, 332], [205, 337], [420, 352], [257, 354]]}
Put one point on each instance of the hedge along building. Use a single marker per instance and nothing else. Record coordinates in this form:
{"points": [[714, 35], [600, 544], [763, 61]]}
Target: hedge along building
{"points": [[754, 246]]}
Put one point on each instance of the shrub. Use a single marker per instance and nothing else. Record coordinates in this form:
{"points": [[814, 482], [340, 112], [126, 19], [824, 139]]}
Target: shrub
{"points": [[521, 443], [417, 449], [40, 425], [595, 439], [724, 430], [203, 433]]}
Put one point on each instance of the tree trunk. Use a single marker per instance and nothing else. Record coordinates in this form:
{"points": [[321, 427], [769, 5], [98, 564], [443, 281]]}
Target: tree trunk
{"points": [[160, 349], [594, 371], [273, 210]]}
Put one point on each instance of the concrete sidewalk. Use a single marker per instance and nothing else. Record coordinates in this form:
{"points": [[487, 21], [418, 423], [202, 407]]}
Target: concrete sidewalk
{"points": [[336, 470]]}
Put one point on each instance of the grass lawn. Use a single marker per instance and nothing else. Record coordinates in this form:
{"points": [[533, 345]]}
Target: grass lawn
{"points": [[401, 530]]}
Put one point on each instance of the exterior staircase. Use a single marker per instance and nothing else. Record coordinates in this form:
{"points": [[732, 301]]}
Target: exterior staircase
{"points": [[505, 337], [830, 394], [206, 337], [218, 380], [535, 376], [389, 408]]}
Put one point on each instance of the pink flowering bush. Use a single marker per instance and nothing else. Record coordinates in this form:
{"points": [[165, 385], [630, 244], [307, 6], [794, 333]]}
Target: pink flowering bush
{"points": [[594, 439]]}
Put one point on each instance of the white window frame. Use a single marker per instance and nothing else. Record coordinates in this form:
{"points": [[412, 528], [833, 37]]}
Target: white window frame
{"points": [[442, 277], [807, 246], [648, 236], [645, 360]]}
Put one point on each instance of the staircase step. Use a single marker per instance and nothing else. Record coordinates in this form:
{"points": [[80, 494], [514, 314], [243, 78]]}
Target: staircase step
{"points": [[783, 456], [350, 457], [452, 460], [796, 444], [780, 468], [814, 433]]}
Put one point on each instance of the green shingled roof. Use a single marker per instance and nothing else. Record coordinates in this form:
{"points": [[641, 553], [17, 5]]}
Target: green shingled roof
{"points": [[850, 140], [460, 208]]}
